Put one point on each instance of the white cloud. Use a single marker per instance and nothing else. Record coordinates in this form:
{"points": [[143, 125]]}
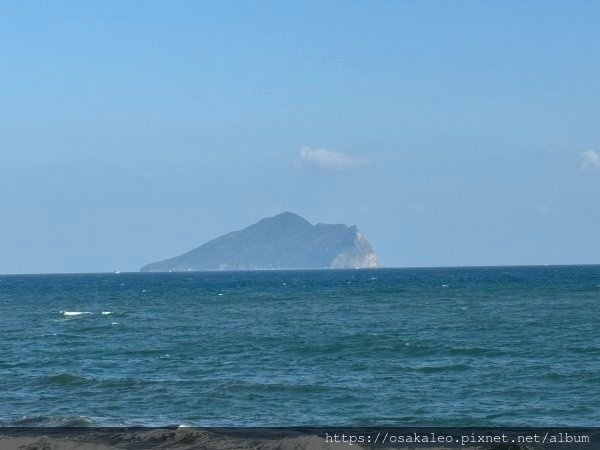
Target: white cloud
{"points": [[590, 160], [309, 158]]}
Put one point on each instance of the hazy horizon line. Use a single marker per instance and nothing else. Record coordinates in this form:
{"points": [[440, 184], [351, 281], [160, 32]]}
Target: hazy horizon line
{"points": [[476, 266]]}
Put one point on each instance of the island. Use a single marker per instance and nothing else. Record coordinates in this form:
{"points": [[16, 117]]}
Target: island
{"points": [[285, 241]]}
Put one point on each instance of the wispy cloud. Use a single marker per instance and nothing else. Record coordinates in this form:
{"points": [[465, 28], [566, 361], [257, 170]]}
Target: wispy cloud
{"points": [[321, 159], [590, 160]]}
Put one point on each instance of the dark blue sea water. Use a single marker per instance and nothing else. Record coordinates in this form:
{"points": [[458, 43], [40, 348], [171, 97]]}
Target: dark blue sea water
{"points": [[457, 346]]}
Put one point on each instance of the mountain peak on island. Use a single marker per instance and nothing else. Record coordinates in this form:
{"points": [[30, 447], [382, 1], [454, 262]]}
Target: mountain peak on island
{"points": [[285, 218], [284, 241], [287, 215]]}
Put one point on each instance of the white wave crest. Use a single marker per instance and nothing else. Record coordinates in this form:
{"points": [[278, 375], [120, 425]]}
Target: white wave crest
{"points": [[74, 313]]}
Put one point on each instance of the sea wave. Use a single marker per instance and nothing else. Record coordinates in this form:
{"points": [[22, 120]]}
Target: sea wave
{"points": [[442, 368], [64, 379], [74, 313], [53, 421], [163, 437]]}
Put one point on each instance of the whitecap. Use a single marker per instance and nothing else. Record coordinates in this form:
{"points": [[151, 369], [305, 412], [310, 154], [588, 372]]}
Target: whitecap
{"points": [[115, 323], [107, 312], [74, 313]]}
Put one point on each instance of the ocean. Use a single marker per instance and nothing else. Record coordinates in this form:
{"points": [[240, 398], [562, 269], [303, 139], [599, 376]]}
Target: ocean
{"points": [[498, 346]]}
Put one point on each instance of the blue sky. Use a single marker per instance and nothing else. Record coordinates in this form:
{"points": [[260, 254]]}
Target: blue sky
{"points": [[451, 133]]}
